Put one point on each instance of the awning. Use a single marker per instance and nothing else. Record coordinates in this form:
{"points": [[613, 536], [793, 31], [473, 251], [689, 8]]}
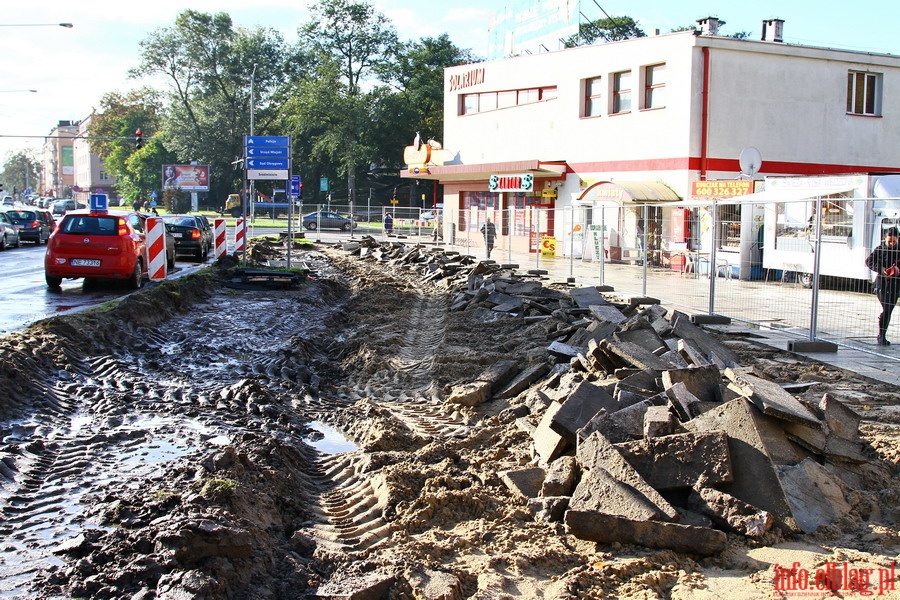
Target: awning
{"points": [[628, 191], [789, 194], [483, 171]]}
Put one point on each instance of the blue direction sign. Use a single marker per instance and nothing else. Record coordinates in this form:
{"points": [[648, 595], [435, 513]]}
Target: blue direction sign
{"points": [[266, 151], [295, 185], [271, 141], [268, 163]]}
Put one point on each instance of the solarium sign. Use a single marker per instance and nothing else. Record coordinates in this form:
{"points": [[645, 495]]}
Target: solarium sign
{"points": [[511, 183]]}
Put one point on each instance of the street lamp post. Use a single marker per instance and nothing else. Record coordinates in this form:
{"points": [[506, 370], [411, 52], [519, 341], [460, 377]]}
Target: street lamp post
{"points": [[66, 25]]}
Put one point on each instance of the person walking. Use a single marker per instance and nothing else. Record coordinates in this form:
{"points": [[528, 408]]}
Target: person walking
{"points": [[388, 224], [490, 234], [885, 261]]}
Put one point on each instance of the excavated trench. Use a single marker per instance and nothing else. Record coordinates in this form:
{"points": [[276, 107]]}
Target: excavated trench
{"points": [[206, 442]]}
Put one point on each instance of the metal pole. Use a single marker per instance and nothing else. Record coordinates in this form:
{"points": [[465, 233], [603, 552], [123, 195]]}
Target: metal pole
{"points": [[713, 271], [509, 230], [572, 244], [603, 245], [644, 247], [817, 256], [537, 240], [252, 182]]}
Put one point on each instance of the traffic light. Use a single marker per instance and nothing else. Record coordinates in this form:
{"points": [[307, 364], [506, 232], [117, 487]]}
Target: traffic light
{"points": [[300, 197], [1, 188], [138, 139]]}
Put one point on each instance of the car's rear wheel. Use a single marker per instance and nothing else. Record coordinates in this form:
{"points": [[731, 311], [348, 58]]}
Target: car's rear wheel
{"points": [[3, 242], [311, 225], [137, 278], [18, 242], [53, 282], [346, 226], [201, 253], [170, 261]]}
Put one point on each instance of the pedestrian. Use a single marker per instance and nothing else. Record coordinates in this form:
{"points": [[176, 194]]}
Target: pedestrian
{"points": [[388, 224], [490, 233], [885, 262]]}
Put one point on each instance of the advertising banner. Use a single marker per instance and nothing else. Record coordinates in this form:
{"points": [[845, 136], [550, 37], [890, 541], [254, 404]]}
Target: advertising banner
{"points": [[191, 178]]}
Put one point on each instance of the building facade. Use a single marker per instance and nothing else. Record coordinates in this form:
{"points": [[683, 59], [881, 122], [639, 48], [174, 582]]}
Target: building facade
{"points": [[58, 160], [90, 175], [664, 119]]}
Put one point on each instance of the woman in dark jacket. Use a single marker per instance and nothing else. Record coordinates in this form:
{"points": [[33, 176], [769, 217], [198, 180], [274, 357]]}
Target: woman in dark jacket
{"points": [[885, 261]]}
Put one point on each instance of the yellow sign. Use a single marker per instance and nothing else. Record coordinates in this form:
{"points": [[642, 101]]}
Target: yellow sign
{"points": [[548, 193], [722, 188], [395, 201], [548, 246]]}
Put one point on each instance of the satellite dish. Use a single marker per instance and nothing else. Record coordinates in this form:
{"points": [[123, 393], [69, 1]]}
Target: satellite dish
{"points": [[750, 161]]}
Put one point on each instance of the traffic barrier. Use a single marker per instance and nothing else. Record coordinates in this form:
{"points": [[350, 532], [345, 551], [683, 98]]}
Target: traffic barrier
{"points": [[156, 249], [240, 231], [221, 238]]}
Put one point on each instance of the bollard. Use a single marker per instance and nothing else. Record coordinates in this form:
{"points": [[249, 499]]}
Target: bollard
{"points": [[221, 239], [156, 248]]}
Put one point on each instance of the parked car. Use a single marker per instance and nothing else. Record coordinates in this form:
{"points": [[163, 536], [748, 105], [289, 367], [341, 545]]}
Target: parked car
{"points": [[8, 201], [61, 207], [35, 225], [193, 234], [9, 232], [327, 219], [103, 244]]}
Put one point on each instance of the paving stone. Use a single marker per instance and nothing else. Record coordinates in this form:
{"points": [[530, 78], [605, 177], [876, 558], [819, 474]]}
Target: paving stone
{"points": [[636, 355], [608, 313], [680, 460], [752, 439], [771, 398], [587, 296], [840, 420], [596, 452], [692, 353], [814, 494], [609, 428], [551, 509], [645, 337], [712, 349], [563, 350], [630, 419], [658, 422], [684, 403], [523, 380], [524, 482], [560, 477], [363, 587], [608, 529], [547, 443], [728, 511]]}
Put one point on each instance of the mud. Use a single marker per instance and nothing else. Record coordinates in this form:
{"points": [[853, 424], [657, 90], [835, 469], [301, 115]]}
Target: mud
{"points": [[164, 447]]}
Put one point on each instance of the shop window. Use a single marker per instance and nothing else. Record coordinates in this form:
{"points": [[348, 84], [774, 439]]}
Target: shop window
{"points": [[729, 226], [487, 101], [621, 92], [593, 95], [654, 86], [864, 93]]}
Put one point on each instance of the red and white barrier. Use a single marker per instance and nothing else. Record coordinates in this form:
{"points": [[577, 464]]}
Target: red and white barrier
{"points": [[221, 248], [240, 232], [156, 248]]}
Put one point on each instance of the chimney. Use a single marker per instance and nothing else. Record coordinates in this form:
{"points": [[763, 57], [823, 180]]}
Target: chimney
{"points": [[710, 25], [772, 30]]}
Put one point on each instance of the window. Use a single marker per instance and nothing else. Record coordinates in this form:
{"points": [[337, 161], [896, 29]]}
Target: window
{"points": [[488, 101], [592, 97], [654, 86], [863, 93], [621, 92]]}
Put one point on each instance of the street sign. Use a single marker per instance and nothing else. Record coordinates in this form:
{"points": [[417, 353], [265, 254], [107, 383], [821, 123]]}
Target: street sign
{"points": [[270, 141], [295, 185], [265, 151], [268, 163], [267, 174], [99, 202], [323, 184]]}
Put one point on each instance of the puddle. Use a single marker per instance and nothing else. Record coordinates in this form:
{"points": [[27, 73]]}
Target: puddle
{"points": [[328, 440]]}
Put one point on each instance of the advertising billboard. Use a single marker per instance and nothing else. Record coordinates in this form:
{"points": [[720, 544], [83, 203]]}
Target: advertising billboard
{"points": [[191, 178]]}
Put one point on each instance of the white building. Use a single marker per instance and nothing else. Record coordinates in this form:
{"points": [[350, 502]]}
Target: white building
{"points": [[661, 118]]}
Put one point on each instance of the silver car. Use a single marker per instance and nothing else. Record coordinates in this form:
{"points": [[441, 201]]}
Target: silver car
{"points": [[9, 232]]}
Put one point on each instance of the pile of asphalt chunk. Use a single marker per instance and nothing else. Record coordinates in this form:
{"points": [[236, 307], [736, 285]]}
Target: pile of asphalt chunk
{"points": [[645, 428]]}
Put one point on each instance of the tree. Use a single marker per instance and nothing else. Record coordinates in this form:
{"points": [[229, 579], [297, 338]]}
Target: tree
{"points": [[211, 67], [21, 172], [605, 30]]}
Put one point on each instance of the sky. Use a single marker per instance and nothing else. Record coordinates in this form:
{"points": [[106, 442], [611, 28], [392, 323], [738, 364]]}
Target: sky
{"points": [[72, 68]]}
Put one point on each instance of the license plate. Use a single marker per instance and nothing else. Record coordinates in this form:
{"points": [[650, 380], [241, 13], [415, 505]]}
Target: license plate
{"points": [[176, 235], [85, 262]]}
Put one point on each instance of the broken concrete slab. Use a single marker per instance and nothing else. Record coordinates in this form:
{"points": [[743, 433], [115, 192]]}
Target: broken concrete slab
{"points": [[373, 586], [587, 296], [712, 349], [600, 492], [771, 398], [680, 460], [752, 440], [585, 401], [815, 495], [703, 382], [596, 452], [525, 483], [608, 529], [731, 512], [551, 509], [839, 419], [523, 380], [608, 313], [636, 355], [685, 404]]}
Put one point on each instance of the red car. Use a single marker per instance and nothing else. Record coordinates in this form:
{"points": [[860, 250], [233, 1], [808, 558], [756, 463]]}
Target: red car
{"points": [[101, 244]]}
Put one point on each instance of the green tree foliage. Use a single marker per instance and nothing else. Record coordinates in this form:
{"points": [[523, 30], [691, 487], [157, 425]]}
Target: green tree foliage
{"points": [[112, 130], [21, 171], [610, 29], [211, 68]]}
